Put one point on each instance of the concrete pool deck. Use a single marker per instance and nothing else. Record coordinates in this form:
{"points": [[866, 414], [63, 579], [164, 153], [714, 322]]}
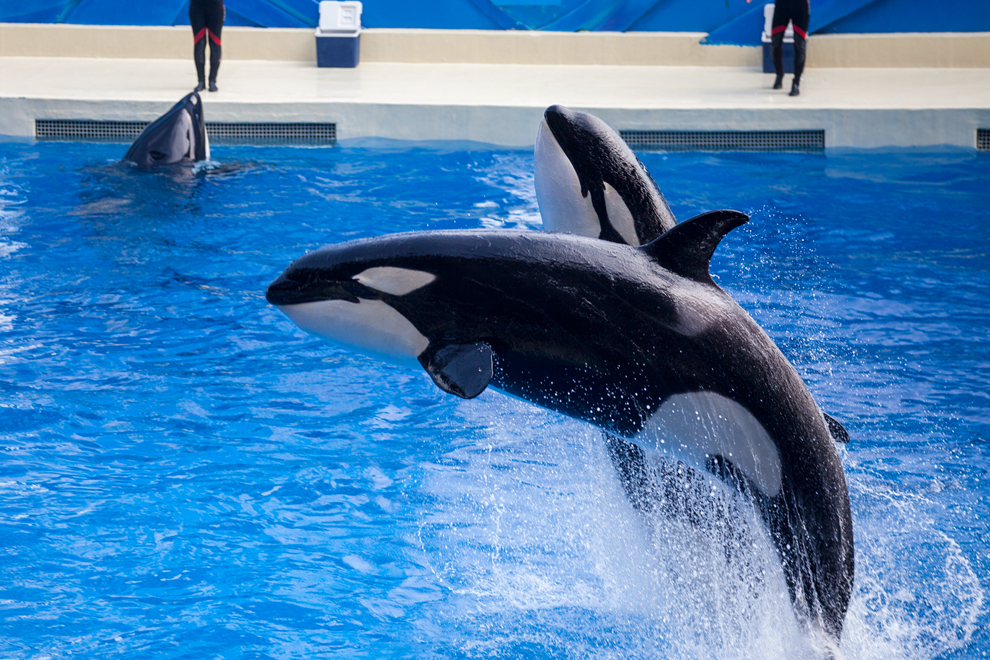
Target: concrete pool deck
{"points": [[502, 104]]}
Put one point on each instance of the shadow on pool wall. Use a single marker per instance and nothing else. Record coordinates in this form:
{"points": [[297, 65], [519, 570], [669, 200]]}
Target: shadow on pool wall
{"points": [[186, 474]]}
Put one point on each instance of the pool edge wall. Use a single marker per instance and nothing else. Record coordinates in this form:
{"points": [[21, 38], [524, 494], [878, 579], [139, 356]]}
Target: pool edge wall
{"points": [[515, 127]]}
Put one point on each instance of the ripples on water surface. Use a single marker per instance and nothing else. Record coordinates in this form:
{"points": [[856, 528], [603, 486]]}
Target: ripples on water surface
{"points": [[185, 474]]}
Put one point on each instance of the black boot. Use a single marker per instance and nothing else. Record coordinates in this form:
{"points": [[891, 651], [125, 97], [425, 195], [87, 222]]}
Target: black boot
{"points": [[795, 90], [214, 62], [199, 57], [777, 55]]}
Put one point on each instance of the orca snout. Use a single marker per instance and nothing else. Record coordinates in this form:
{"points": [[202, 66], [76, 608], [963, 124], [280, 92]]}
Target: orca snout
{"points": [[557, 112], [315, 276], [281, 291], [303, 285]]}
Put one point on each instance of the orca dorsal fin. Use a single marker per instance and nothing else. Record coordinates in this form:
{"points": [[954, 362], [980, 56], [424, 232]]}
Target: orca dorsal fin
{"points": [[688, 247]]}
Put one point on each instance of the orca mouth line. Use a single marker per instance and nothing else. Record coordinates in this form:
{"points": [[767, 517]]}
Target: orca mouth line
{"points": [[289, 290]]}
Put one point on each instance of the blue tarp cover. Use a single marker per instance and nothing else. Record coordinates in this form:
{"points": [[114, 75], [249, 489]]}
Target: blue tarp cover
{"points": [[726, 21]]}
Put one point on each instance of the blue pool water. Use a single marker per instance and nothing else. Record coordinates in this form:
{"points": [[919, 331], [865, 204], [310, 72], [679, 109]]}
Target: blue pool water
{"points": [[185, 474]]}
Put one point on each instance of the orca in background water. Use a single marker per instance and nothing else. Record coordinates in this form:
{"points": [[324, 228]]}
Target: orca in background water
{"points": [[589, 182], [178, 136]]}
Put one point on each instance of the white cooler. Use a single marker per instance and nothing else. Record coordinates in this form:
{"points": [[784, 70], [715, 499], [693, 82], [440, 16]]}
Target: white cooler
{"points": [[338, 37]]}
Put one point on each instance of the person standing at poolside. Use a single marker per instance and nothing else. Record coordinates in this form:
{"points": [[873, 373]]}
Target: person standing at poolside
{"points": [[206, 18], [798, 13]]}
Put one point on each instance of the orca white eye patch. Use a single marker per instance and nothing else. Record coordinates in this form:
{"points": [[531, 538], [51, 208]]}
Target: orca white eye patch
{"points": [[396, 281]]}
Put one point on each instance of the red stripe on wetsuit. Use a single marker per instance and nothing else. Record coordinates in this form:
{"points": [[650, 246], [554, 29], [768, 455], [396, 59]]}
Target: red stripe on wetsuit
{"points": [[204, 31], [783, 28]]}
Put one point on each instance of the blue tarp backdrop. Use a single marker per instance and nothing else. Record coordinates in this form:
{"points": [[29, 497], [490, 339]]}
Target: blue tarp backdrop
{"points": [[726, 21]]}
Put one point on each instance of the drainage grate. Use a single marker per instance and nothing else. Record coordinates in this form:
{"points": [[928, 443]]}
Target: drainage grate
{"points": [[725, 140], [271, 133], [76, 130], [85, 130], [983, 139]]}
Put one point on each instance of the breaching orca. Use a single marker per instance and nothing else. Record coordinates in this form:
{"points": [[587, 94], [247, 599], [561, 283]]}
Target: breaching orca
{"points": [[639, 341], [178, 136]]}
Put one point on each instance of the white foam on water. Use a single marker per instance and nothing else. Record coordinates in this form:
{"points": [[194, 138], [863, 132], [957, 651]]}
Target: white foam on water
{"points": [[536, 543], [917, 594], [531, 538]]}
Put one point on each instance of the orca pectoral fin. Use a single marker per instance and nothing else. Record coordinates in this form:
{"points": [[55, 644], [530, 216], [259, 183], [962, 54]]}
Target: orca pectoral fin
{"points": [[461, 369], [835, 427]]}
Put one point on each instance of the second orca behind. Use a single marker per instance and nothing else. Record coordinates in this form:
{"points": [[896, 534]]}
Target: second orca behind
{"points": [[178, 136], [589, 182]]}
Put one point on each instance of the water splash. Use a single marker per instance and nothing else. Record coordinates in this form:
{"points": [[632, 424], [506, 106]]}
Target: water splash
{"points": [[531, 537]]}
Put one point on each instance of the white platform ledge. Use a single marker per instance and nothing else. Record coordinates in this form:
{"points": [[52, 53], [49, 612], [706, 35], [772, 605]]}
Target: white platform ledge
{"points": [[503, 104]]}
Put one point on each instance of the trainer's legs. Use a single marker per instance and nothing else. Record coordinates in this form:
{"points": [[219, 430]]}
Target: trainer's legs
{"points": [[777, 54], [214, 23], [781, 16], [214, 56], [197, 18], [199, 57], [800, 20], [800, 48]]}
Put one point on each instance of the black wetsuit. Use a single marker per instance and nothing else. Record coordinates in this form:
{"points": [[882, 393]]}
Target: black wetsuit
{"points": [[206, 17], [798, 13]]}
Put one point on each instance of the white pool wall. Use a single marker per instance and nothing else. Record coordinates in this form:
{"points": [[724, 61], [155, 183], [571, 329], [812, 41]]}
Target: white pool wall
{"points": [[880, 91]]}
